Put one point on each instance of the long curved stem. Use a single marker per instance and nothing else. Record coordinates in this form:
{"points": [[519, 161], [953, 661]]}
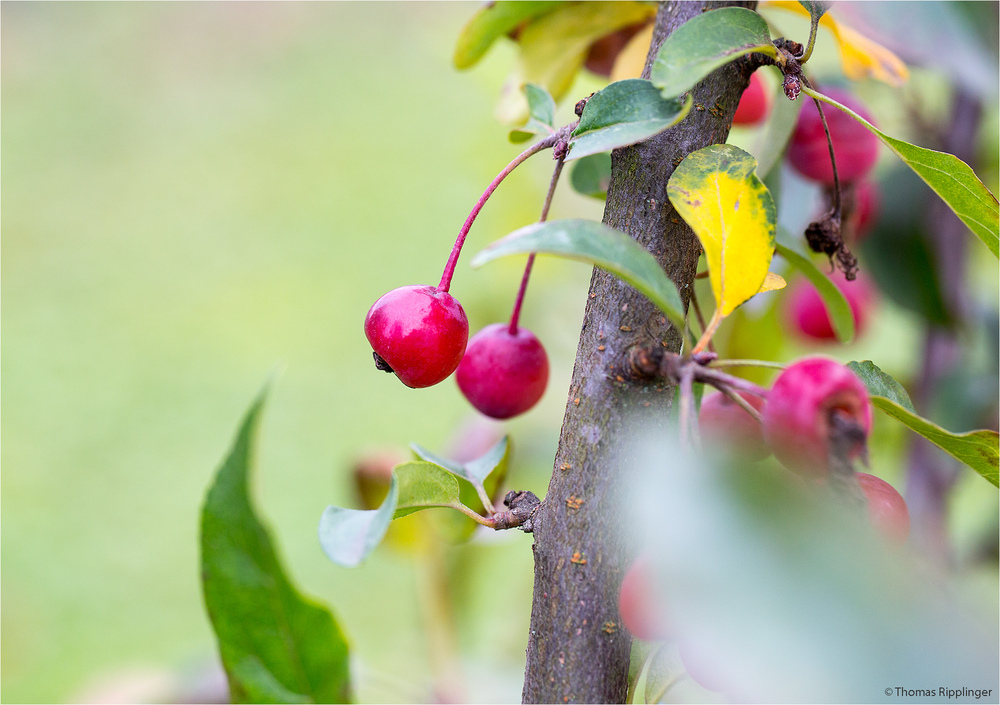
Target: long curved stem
{"points": [[833, 159], [456, 250], [516, 314]]}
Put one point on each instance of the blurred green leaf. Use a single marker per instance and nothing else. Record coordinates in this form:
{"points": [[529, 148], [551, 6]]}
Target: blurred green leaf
{"points": [[880, 384], [624, 113], [706, 42], [597, 244], [493, 21], [542, 110], [554, 47], [980, 450], [423, 485], [475, 471], [591, 175], [717, 193], [276, 645], [950, 178], [836, 304]]}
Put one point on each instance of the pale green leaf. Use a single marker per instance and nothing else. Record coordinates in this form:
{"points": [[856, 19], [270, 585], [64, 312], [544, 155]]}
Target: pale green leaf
{"points": [[717, 193], [423, 485], [706, 42], [493, 21], [591, 175], [597, 244], [950, 178], [349, 535]]}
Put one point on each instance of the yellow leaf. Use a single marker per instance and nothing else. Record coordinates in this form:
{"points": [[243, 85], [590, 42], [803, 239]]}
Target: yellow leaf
{"points": [[731, 211], [772, 282], [554, 47], [860, 57], [632, 59]]}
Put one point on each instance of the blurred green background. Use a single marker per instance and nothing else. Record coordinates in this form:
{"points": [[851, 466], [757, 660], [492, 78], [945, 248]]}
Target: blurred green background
{"points": [[199, 194]]}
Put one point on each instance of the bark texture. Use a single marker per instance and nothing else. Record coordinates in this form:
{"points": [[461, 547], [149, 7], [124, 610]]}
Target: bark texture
{"points": [[577, 649]]}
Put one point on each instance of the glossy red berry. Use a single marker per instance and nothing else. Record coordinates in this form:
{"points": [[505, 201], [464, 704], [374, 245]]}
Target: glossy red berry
{"points": [[722, 421], [886, 508], [418, 332], [808, 407], [641, 611], [753, 104], [503, 374], [807, 313], [855, 147]]}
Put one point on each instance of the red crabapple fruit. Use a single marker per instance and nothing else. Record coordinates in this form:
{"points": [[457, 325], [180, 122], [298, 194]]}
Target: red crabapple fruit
{"points": [[503, 374], [886, 508], [641, 613], [855, 147], [753, 103], [418, 332], [807, 313], [867, 202], [723, 421], [817, 408]]}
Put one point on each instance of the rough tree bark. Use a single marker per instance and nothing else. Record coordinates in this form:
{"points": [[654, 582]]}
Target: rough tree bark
{"points": [[577, 650]]}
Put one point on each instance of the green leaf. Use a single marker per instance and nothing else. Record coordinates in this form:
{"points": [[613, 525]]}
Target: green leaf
{"points": [[542, 110], [836, 304], [880, 384], [597, 244], [816, 8], [706, 42], [493, 459], [950, 178], [494, 20], [349, 535], [423, 485], [591, 175], [717, 193], [624, 113], [980, 450], [276, 645]]}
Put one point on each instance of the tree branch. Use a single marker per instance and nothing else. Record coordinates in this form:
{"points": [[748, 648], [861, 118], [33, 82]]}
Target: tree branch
{"points": [[577, 649]]}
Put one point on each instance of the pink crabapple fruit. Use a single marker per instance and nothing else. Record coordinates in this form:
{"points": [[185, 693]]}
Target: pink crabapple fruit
{"points": [[856, 148], [867, 202], [886, 508], [807, 313], [418, 332], [723, 421], [641, 613], [503, 374], [807, 407], [753, 104]]}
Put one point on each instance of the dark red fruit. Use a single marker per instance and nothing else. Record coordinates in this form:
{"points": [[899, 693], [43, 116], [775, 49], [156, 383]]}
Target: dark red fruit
{"points": [[855, 147], [811, 409], [418, 332], [641, 612], [724, 422], [503, 374], [886, 508], [753, 103], [867, 202], [807, 313]]}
